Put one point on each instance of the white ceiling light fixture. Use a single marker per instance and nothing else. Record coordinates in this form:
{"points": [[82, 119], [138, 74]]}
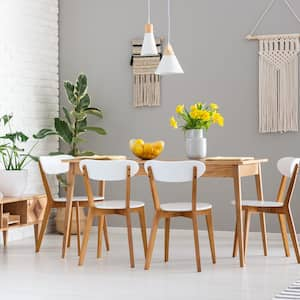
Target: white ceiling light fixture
{"points": [[169, 64], [149, 45]]}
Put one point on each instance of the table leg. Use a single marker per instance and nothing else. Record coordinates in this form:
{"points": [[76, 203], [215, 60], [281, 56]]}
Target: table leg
{"points": [[68, 211], [239, 216], [259, 190]]}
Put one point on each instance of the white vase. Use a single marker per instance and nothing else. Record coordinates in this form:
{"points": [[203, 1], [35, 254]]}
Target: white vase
{"points": [[195, 144], [13, 183]]}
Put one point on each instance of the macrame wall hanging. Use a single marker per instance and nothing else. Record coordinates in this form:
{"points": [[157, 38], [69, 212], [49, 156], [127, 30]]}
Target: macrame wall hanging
{"points": [[146, 84], [278, 78]]}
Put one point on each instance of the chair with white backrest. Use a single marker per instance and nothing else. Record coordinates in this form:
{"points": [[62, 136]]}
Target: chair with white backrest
{"points": [[178, 172], [114, 170], [288, 168], [54, 165]]}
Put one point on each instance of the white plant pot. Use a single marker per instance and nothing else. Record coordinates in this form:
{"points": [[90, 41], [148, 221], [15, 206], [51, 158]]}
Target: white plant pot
{"points": [[195, 144], [13, 183]]}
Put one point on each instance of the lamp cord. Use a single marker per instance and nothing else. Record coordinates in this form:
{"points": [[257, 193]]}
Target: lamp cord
{"points": [[149, 11], [169, 22]]}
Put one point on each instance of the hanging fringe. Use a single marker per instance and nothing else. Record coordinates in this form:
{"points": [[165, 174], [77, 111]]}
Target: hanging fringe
{"points": [[278, 84], [146, 84]]}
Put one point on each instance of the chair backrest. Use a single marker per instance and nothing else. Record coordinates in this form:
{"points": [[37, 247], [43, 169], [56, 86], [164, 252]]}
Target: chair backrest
{"points": [[288, 168], [54, 165], [108, 170], [174, 172]]}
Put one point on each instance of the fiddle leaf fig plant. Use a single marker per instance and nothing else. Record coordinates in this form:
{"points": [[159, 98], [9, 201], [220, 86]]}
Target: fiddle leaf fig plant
{"points": [[74, 122]]}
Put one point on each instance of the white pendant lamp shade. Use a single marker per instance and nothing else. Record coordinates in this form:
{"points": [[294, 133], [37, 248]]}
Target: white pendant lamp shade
{"points": [[169, 63], [149, 45]]}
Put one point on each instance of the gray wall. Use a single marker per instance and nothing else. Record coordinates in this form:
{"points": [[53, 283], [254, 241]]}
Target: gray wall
{"points": [[220, 66]]}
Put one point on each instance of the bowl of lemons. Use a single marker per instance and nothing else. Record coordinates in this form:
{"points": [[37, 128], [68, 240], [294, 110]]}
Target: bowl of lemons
{"points": [[145, 150]]}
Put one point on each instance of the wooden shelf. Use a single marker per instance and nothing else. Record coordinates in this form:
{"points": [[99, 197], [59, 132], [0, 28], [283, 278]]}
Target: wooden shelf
{"points": [[17, 212]]}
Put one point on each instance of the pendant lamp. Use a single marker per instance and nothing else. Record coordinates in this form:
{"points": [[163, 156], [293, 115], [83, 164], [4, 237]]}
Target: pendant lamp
{"points": [[169, 64], [149, 45]]}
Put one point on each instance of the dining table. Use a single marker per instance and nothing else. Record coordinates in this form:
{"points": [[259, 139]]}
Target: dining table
{"points": [[216, 167]]}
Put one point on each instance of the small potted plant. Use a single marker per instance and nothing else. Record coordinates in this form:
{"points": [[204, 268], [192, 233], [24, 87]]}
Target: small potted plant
{"points": [[13, 159], [198, 118]]}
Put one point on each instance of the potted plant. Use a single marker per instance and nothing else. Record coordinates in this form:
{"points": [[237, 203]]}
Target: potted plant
{"points": [[13, 159], [74, 123], [195, 120], [70, 128]]}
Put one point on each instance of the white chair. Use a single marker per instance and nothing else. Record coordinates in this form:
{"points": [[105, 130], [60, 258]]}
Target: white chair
{"points": [[288, 168], [178, 172], [53, 165], [116, 170]]}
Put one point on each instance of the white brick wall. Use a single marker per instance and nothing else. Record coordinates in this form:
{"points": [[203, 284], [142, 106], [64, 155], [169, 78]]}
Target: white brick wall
{"points": [[29, 70]]}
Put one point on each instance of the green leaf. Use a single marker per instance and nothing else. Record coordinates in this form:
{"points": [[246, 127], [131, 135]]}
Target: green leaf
{"points": [[17, 136], [69, 88], [43, 133], [79, 116], [6, 118], [81, 85], [94, 111], [34, 158], [67, 115], [63, 130], [85, 102], [87, 153], [98, 130], [81, 125]]}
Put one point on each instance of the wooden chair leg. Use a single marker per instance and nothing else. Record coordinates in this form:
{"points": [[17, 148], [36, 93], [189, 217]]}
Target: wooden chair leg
{"points": [[210, 229], [100, 233], [143, 229], [235, 242], [130, 240], [263, 233], [246, 230], [151, 241], [167, 238], [36, 229], [70, 229], [293, 234], [282, 222], [78, 227], [4, 235], [105, 231], [86, 236], [43, 228], [196, 241]]}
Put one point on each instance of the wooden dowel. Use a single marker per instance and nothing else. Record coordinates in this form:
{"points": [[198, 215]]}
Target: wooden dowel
{"points": [[273, 36]]}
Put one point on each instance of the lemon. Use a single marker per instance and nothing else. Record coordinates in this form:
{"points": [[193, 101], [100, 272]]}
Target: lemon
{"points": [[138, 149], [139, 142]]}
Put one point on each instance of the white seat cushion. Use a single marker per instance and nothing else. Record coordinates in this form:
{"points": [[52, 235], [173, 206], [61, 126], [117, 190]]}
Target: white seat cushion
{"points": [[256, 203], [184, 206], [117, 204], [78, 198]]}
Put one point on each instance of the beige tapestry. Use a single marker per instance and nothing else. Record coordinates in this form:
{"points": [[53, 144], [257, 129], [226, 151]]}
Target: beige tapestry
{"points": [[278, 83], [146, 84]]}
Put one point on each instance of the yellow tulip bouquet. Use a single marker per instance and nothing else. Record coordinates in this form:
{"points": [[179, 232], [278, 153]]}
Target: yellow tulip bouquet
{"points": [[199, 116]]}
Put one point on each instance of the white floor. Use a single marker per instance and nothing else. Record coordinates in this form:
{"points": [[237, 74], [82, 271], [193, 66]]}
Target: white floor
{"points": [[26, 275]]}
